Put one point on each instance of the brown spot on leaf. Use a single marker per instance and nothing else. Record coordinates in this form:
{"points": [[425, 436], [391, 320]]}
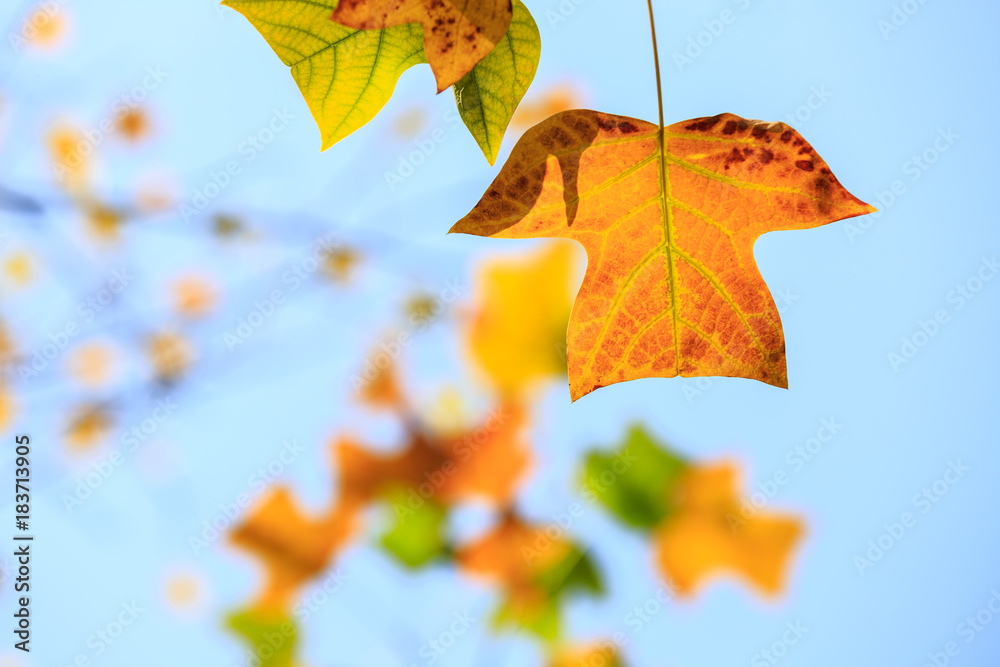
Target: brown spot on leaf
{"points": [[804, 165], [786, 136], [766, 156], [730, 127], [703, 124]]}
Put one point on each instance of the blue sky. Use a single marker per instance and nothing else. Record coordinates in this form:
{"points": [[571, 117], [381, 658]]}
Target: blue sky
{"points": [[882, 100]]}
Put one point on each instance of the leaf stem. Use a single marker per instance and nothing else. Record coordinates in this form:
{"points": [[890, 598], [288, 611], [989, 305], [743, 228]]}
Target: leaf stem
{"points": [[656, 62]]}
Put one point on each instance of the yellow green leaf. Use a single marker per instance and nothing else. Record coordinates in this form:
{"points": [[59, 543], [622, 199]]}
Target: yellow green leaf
{"points": [[346, 76], [488, 95], [272, 636]]}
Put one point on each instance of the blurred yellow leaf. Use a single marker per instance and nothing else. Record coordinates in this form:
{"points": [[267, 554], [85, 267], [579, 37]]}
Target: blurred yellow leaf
{"points": [[339, 264], [103, 222], [91, 363], [194, 296], [226, 226], [46, 27], [170, 356], [605, 655], [8, 409], [19, 269], [70, 153], [709, 534], [518, 334], [88, 425], [421, 309]]}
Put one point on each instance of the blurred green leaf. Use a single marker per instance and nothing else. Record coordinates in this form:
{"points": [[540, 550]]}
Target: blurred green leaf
{"points": [[417, 536], [635, 482], [575, 573], [272, 636]]}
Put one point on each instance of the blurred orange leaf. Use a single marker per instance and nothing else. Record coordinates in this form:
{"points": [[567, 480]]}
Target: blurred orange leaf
{"points": [[708, 534], [170, 356], [293, 547]]}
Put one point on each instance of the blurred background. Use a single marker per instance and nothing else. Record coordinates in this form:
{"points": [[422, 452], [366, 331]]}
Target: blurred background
{"points": [[182, 344]]}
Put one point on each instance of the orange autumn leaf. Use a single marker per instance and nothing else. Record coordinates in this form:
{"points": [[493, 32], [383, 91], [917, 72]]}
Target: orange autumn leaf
{"points": [[133, 124], [194, 296], [671, 286], [487, 462], [455, 38], [708, 534], [87, 426], [380, 387], [512, 555], [492, 459], [293, 547]]}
